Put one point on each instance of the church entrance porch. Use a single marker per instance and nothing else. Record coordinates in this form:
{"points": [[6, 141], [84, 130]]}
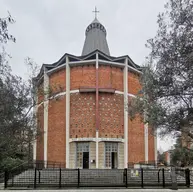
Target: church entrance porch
{"points": [[82, 155], [111, 157]]}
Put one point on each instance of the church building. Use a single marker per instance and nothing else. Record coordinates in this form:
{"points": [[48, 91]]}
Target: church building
{"points": [[82, 116]]}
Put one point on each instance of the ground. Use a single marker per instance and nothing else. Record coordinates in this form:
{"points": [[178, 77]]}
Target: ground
{"points": [[105, 190]]}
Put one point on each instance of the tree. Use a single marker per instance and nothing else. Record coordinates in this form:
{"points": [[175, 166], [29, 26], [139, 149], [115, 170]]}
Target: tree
{"points": [[181, 156], [160, 157], [16, 101], [167, 81]]}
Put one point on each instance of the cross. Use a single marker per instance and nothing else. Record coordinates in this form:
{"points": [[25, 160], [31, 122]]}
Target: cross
{"points": [[95, 11]]}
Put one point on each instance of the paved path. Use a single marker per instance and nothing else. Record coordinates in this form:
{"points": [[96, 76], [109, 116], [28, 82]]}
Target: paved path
{"points": [[103, 190]]}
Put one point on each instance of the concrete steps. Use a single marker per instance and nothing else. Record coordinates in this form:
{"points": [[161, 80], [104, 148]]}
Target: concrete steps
{"points": [[90, 177]]}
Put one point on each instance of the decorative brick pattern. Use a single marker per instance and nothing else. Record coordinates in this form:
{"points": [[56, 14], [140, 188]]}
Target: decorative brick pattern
{"points": [[111, 115], [82, 115], [57, 130]]}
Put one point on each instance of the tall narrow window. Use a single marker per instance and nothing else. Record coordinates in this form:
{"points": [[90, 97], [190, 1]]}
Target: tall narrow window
{"points": [[111, 150], [82, 155]]}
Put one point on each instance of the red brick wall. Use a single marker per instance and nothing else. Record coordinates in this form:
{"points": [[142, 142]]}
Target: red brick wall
{"points": [[40, 93], [167, 156], [111, 115], [105, 76], [117, 78], [133, 83], [57, 130], [57, 81], [82, 112], [82, 76], [136, 148], [110, 77], [82, 115], [151, 152], [40, 133]]}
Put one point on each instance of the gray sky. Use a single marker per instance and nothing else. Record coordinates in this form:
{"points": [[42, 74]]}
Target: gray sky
{"points": [[46, 29]]}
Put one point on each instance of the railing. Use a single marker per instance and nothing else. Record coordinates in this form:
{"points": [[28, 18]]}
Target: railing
{"points": [[36, 175], [48, 164]]}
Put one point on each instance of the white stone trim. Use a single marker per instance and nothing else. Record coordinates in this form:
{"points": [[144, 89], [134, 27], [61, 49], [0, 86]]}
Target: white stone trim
{"points": [[97, 60], [146, 141], [58, 95], [100, 139], [67, 111], [125, 83], [131, 95], [97, 130], [74, 91], [119, 92], [71, 63], [111, 63], [34, 149], [46, 103], [122, 93], [35, 108], [97, 149], [40, 104], [56, 69]]}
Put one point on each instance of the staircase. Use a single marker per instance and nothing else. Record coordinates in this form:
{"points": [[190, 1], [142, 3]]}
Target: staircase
{"points": [[50, 177]]}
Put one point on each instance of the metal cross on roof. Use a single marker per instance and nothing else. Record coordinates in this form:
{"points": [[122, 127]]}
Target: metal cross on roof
{"points": [[95, 11]]}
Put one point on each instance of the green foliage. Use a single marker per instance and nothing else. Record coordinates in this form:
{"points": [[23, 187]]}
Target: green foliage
{"points": [[167, 81], [182, 156], [9, 163], [16, 102], [161, 157]]}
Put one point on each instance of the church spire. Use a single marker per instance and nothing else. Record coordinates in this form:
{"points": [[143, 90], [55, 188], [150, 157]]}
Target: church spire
{"points": [[95, 37]]}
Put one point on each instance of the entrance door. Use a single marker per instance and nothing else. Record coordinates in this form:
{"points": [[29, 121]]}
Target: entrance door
{"points": [[113, 160], [85, 160]]}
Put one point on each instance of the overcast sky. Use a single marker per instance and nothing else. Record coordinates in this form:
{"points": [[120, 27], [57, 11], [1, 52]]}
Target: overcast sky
{"points": [[46, 29]]}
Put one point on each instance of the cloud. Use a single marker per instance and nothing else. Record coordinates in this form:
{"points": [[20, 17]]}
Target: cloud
{"points": [[46, 29]]}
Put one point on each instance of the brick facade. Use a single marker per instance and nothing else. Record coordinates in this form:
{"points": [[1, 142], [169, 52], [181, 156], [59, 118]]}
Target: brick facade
{"points": [[40, 133], [83, 114], [136, 150], [57, 130], [111, 112], [57, 82], [82, 76]]}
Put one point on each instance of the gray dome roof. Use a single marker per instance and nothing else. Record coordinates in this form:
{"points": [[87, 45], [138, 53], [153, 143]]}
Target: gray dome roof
{"points": [[95, 38]]}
